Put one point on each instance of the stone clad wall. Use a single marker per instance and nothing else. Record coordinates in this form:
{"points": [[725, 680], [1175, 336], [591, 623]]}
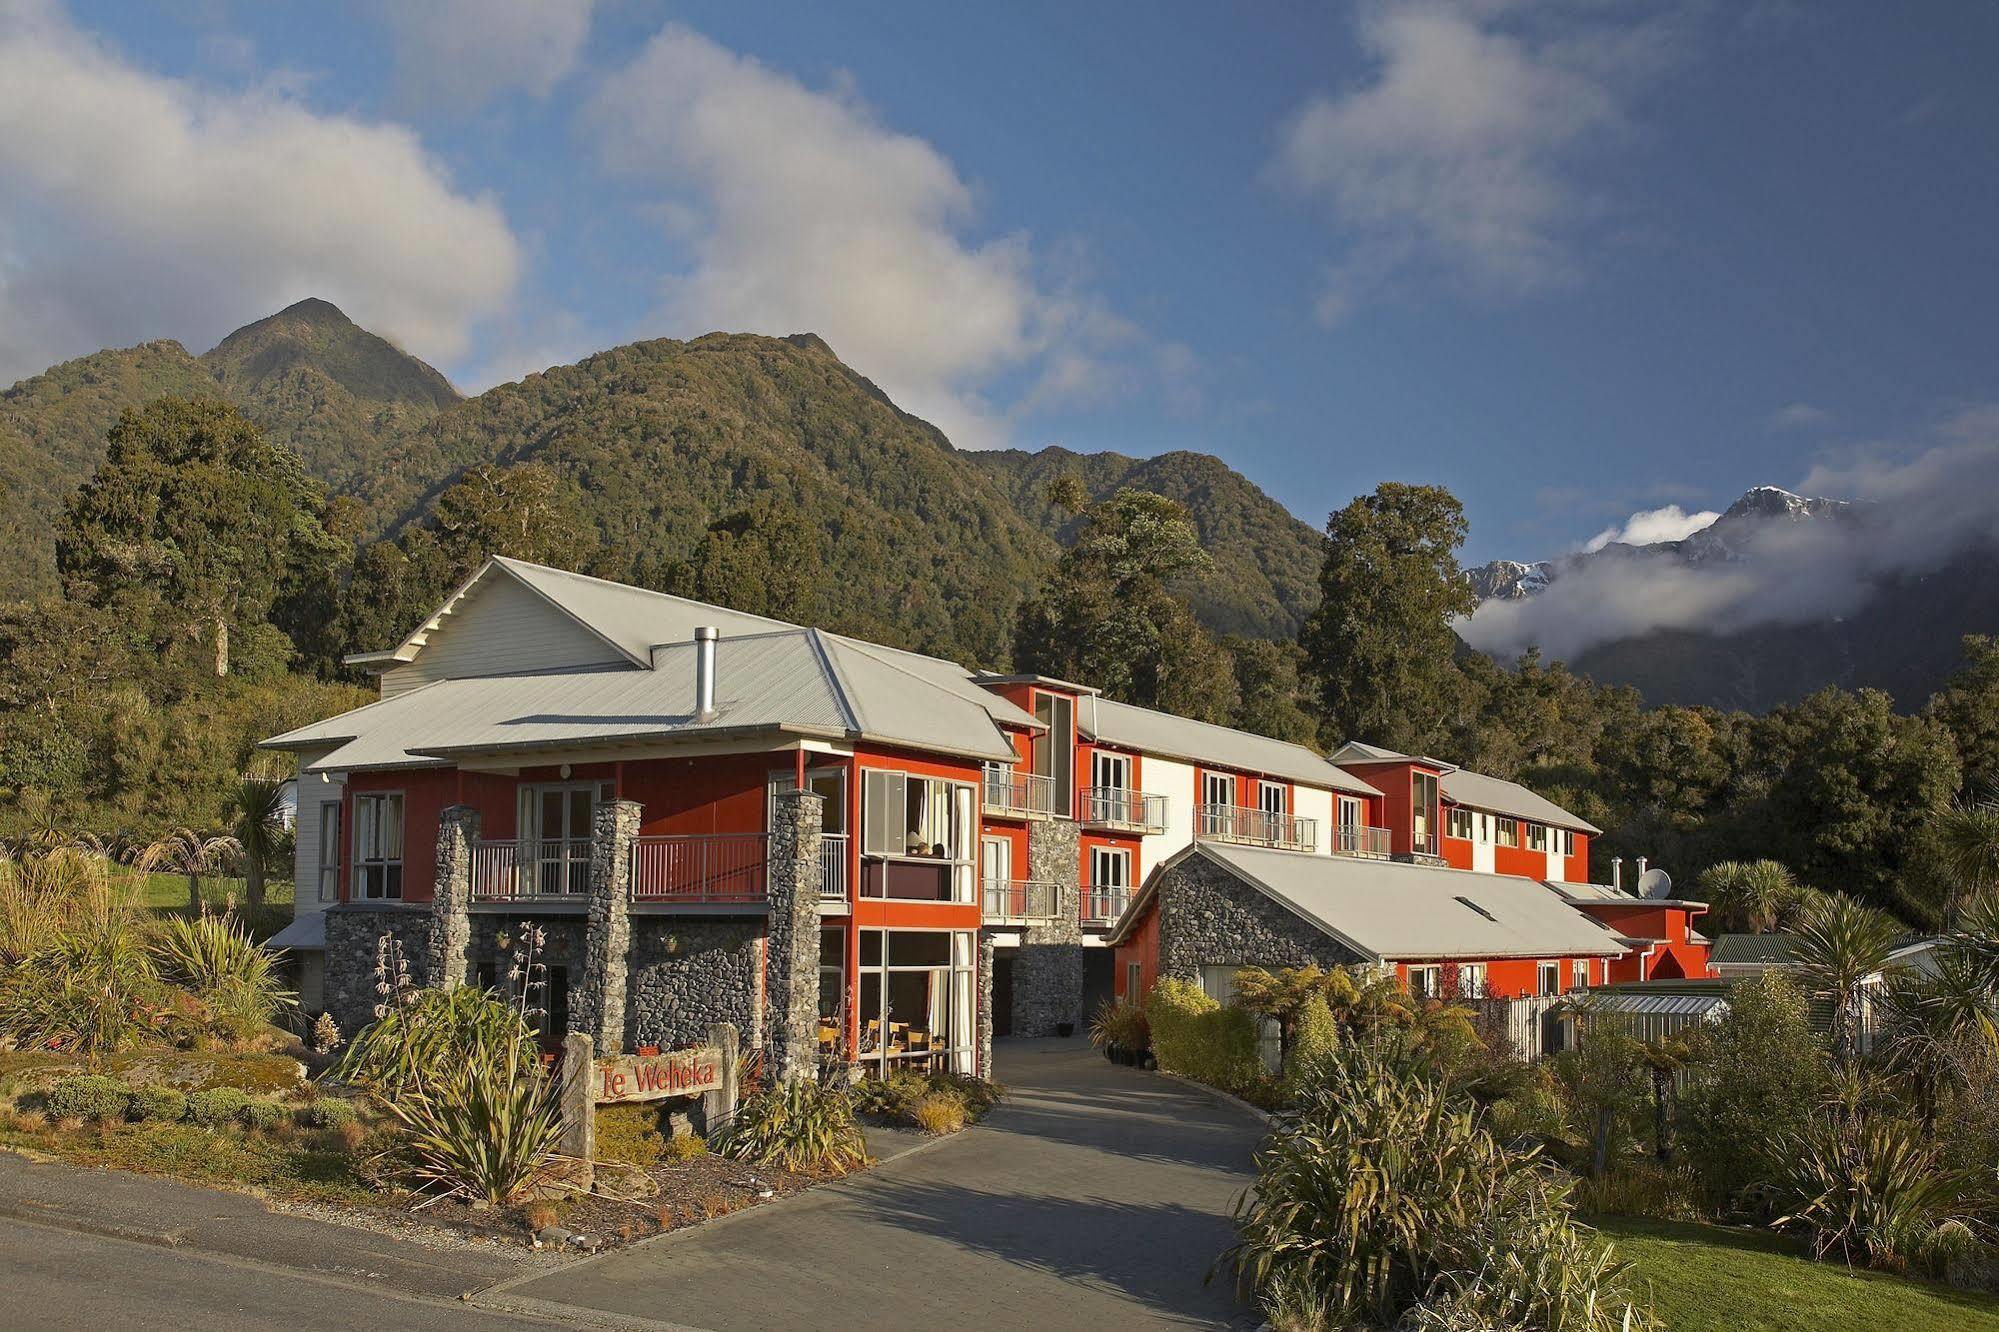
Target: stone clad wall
{"points": [[457, 830], [564, 944], [1048, 966], [792, 981], [687, 972], [1208, 917], [353, 935], [600, 1009]]}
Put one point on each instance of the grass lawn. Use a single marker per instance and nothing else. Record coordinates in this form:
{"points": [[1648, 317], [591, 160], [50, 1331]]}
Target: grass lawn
{"points": [[167, 891], [1715, 1279]]}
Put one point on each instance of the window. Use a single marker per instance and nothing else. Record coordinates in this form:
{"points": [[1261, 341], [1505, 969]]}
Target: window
{"points": [[1537, 837], [1459, 825], [1217, 797], [1349, 814], [378, 846], [329, 850], [917, 1004], [1218, 983], [996, 859], [1471, 980], [1055, 748], [829, 784], [1110, 772], [1134, 974], [1423, 794], [1578, 973], [1507, 832], [1271, 797], [1548, 978], [1568, 842], [919, 817], [556, 828], [832, 989], [1426, 982], [1110, 868]]}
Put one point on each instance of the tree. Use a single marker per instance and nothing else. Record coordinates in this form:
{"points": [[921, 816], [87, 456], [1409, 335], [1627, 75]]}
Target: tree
{"points": [[1968, 707], [1841, 945], [1966, 838], [1381, 644], [195, 523], [1663, 1057], [1759, 1073], [256, 808], [1067, 493], [763, 560], [186, 851], [1105, 614], [1751, 897], [1270, 693]]}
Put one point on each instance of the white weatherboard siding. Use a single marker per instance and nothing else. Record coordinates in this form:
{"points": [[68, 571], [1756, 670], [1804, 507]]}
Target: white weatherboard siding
{"points": [[1174, 781], [1555, 859], [501, 628], [1318, 807], [314, 791]]}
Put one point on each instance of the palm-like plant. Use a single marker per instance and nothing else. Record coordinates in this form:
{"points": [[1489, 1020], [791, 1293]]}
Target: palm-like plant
{"points": [[1841, 945], [1752, 896], [1663, 1057], [256, 806], [185, 851], [1967, 836]]}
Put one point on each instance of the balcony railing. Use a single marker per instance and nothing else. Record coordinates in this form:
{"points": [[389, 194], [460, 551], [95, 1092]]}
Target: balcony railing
{"points": [[1017, 901], [1254, 827], [833, 884], [1104, 903], [1017, 794], [546, 870], [1423, 844], [717, 869], [1357, 840], [1119, 807]]}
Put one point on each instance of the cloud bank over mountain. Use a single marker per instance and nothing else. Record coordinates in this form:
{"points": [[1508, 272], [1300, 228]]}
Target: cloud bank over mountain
{"points": [[1772, 561]]}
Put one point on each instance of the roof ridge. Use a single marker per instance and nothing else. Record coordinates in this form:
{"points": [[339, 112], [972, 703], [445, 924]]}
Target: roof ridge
{"points": [[1217, 726], [843, 692]]}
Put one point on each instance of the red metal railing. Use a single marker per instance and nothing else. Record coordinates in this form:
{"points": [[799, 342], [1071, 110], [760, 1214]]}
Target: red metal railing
{"points": [[704, 870]]}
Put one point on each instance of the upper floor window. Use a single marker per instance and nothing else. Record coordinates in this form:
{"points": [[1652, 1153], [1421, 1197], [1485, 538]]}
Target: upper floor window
{"points": [[1426, 982], [1110, 868], [1506, 832], [1055, 748], [1423, 795], [1537, 837], [1459, 825], [1568, 842], [904, 816], [1110, 772], [329, 850], [378, 845], [1548, 978], [1271, 797]]}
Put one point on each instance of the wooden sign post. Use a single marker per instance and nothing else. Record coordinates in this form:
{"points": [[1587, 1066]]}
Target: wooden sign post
{"points": [[707, 1071]]}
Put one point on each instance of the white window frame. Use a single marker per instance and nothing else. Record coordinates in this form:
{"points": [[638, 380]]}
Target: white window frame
{"points": [[1548, 978], [1568, 842], [370, 824], [1579, 973], [1453, 817], [1537, 837], [1114, 859], [1110, 771], [1425, 981], [1134, 977], [330, 833], [1471, 980], [1506, 832], [1265, 791]]}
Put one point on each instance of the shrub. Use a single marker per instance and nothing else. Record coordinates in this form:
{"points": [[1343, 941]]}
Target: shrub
{"points": [[165, 1105], [893, 1097], [91, 987], [236, 981], [217, 1105], [978, 1094], [539, 1216], [1380, 1195], [89, 1096], [1642, 1188], [428, 1034], [630, 1133], [1120, 1024], [1196, 1037], [329, 1112], [798, 1125], [1759, 1072], [1315, 1039], [1869, 1190], [262, 1116], [684, 1147], [939, 1113]]}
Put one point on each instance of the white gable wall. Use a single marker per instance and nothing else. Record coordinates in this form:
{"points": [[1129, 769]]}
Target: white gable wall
{"points": [[500, 628], [1175, 781], [1316, 805]]}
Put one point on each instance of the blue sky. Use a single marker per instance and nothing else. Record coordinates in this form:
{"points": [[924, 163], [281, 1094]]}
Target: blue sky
{"points": [[1577, 259]]}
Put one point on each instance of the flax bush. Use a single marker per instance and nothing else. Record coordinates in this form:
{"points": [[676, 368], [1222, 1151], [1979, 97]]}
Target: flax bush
{"points": [[424, 1034], [798, 1125], [1380, 1197], [215, 959], [485, 1129], [1869, 1189]]}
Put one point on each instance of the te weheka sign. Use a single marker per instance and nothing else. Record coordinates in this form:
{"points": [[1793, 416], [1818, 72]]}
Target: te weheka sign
{"points": [[625, 1078]]}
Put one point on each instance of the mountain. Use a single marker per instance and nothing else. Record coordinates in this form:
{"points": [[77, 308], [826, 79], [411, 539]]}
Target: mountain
{"points": [[1266, 562], [1894, 630], [308, 376]]}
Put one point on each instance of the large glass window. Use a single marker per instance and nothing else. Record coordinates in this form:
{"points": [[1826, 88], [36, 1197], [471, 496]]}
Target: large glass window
{"points": [[329, 850], [915, 817], [1459, 823], [378, 845], [555, 833], [1423, 810], [1055, 748], [832, 989], [916, 1000], [1271, 796]]}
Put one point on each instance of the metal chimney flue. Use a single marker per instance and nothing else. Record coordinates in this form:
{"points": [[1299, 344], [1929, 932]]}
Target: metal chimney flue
{"points": [[1617, 873], [704, 672]]}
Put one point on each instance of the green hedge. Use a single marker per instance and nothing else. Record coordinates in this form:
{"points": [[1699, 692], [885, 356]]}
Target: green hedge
{"points": [[1196, 1037]]}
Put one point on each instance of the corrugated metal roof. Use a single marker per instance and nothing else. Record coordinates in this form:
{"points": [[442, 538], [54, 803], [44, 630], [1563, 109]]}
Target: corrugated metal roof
{"points": [[1592, 892], [1392, 910], [1762, 950], [1666, 1003], [1162, 733], [635, 619], [1482, 792], [798, 680]]}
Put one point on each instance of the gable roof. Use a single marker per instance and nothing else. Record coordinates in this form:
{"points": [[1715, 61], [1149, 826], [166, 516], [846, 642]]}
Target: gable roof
{"points": [[1357, 753], [797, 681], [1391, 911], [1152, 732], [1478, 791]]}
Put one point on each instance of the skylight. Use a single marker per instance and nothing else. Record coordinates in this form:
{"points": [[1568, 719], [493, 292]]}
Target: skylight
{"points": [[1481, 910]]}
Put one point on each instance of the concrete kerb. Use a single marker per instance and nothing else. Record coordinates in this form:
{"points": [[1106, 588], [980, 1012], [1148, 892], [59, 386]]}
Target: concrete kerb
{"points": [[1218, 1094]]}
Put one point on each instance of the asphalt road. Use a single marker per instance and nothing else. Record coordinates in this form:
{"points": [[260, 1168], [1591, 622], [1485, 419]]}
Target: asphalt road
{"points": [[1093, 1197]]}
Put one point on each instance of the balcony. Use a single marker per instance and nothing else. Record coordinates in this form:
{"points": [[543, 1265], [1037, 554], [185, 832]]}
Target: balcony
{"points": [[1357, 840], [1017, 901], [710, 870], [1122, 809], [1104, 904], [833, 884], [1254, 827], [556, 870], [1423, 844], [1017, 795]]}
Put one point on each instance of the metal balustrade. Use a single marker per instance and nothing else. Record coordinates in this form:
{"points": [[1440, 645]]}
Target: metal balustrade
{"points": [[1122, 808], [833, 878], [712, 869], [548, 869], [1254, 827], [1104, 903], [1017, 901], [1016, 794], [1358, 840]]}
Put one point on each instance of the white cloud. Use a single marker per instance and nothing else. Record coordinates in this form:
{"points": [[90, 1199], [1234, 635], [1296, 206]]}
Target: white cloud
{"points": [[1460, 149], [1800, 416], [804, 213], [1918, 507], [1670, 523], [463, 53], [138, 206]]}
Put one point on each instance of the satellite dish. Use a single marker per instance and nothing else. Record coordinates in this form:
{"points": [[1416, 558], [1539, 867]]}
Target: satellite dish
{"points": [[1655, 884]]}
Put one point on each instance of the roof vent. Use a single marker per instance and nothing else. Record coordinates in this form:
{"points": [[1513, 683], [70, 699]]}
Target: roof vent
{"points": [[1481, 910], [704, 672]]}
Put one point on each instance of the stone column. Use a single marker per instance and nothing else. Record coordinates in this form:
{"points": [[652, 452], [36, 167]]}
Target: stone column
{"points": [[451, 900], [986, 1005], [791, 982], [599, 1011], [1048, 969]]}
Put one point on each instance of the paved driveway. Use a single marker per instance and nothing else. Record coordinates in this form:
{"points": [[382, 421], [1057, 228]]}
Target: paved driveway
{"points": [[1093, 1197]]}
